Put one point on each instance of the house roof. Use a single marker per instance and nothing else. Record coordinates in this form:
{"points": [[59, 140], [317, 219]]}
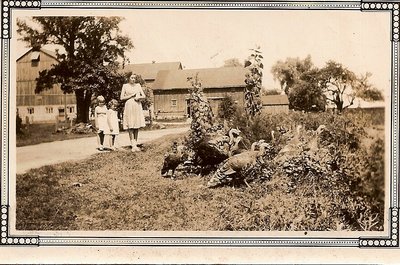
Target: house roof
{"points": [[149, 71], [271, 100], [223, 77], [49, 53]]}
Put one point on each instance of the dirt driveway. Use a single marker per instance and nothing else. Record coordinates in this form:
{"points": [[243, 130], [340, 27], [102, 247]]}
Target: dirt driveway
{"points": [[39, 155]]}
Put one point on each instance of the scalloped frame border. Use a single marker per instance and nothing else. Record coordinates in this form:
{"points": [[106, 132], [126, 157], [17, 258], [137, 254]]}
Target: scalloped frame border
{"points": [[389, 241]]}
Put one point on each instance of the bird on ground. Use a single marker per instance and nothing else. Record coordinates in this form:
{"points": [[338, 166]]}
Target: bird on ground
{"points": [[212, 151], [313, 141], [292, 147], [173, 159], [236, 164]]}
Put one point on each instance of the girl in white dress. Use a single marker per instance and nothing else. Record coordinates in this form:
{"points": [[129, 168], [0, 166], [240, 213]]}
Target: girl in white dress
{"points": [[112, 121], [133, 119], [100, 118]]}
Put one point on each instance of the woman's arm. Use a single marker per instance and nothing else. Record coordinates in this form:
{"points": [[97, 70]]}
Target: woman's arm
{"points": [[123, 93], [141, 95]]}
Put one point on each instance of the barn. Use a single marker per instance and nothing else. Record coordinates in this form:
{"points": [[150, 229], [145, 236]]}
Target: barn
{"points": [[149, 71], [275, 104], [47, 105], [171, 89]]}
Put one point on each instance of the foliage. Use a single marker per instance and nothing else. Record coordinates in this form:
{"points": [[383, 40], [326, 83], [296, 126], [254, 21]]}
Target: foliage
{"points": [[271, 92], [306, 94], [300, 81], [313, 191], [311, 89], [227, 108], [45, 132], [289, 72], [341, 85], [19, 127], [339, 186], [253, 82], [233, 62], [93, 49], [201, 113]]}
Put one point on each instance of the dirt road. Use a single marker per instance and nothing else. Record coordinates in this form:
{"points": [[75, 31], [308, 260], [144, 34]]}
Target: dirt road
{"points": [[35, 156]]}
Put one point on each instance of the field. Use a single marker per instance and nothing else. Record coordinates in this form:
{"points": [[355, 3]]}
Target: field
{"points": [[125, 191]]}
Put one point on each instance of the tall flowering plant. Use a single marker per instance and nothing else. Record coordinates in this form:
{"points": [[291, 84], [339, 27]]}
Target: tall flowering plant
{"points": [[201, 112], [253, 82]]}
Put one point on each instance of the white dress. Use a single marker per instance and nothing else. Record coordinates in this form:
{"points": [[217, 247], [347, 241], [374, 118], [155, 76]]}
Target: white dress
{"points": [[133, 111], [101, 114], [112, 121]]}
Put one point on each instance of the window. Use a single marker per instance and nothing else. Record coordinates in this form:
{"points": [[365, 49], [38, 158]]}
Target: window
{"points": [[71, 109], [61, 111], [35, 58], [49, 109], [31, 110], [174, 102]]}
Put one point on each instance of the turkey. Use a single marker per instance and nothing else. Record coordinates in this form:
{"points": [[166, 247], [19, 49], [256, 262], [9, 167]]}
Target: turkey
{"points": [[173, 159], [313, 141], [292, 147], [214, 149], [236, 164]]}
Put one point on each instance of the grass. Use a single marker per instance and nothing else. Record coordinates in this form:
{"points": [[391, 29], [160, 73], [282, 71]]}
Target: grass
{"points": [[99, 195], [45, 132], [124, 191]]}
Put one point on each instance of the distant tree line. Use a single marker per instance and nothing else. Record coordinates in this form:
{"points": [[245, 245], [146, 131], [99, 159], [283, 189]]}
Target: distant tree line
{"points": [[311, 88]]}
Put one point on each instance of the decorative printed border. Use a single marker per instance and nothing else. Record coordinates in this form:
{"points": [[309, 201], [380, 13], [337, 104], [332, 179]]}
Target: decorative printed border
{"points": [[390, 241]]}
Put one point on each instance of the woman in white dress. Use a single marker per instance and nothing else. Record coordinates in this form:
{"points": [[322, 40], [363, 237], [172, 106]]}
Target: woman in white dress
{"points": [[133, 119]]}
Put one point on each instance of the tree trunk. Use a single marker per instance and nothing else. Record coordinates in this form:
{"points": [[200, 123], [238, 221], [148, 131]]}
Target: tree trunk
{"points": [[339, 105], [83, 99]]}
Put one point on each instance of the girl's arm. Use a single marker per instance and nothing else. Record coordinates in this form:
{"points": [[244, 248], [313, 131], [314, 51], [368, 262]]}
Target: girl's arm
{"points": [[96, 120]]}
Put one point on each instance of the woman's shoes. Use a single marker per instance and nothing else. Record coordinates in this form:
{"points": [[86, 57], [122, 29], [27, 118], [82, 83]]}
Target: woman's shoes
{"points": [[135, 148]]}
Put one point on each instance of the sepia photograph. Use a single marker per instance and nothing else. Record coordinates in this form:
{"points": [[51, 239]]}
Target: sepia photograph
{"points": [[234, 131], [200, 125], [185, 120]]}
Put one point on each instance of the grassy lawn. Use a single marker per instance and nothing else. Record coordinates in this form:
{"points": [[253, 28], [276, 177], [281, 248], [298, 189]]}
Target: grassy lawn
{"points": [[45, 132], [119, 190], [124, 191]]}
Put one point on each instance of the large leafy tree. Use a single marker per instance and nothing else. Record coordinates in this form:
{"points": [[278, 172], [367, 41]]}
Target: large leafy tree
{"points": [[93, 49], [290, 71], [300, 80], [342, 86]]}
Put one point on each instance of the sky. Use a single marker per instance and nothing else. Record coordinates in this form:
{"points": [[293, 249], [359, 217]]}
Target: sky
{"points": [[206, 38]]}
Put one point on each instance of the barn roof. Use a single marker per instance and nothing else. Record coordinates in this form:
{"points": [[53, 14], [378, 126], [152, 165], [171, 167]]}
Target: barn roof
{"points": [[149, 70], [223, 77], [271, 100], [49, 53]]}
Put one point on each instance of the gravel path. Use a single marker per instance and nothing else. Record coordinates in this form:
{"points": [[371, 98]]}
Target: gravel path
{"points": [[35, 156]]}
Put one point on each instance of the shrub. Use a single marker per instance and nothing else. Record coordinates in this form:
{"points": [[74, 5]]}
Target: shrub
{"points": [[19, 126], [227, 108]]}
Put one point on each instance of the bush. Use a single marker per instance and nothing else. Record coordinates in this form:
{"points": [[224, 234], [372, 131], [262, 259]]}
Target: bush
{"points": [[19, 126], [339, 186], [227, 108]]}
